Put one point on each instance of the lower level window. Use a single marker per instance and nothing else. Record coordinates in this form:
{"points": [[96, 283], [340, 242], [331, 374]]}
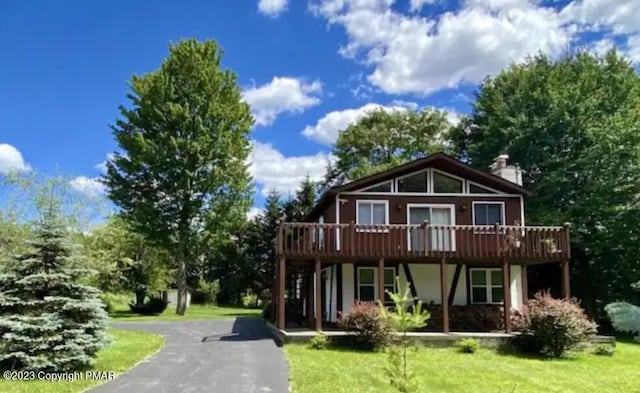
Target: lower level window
{"points": [[368, 283], [486, 286]]}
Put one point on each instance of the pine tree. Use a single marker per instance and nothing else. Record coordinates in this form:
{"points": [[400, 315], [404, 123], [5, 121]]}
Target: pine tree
{"points": [[49, 319]]}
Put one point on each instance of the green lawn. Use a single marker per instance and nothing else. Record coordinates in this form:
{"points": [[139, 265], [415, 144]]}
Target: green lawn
{"points": [[122, 313], [446, 370], [128, 349]]}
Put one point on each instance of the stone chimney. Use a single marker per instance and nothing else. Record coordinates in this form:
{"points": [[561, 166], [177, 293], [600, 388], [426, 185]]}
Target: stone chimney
{"points": [[512, 173]]}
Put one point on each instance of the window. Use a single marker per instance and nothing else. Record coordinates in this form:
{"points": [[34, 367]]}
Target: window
{"points": [[372, 212], [443, 184], [475, 189], [486, 286], [384, 187], [414, 183], [488, 213], [368, 283]]}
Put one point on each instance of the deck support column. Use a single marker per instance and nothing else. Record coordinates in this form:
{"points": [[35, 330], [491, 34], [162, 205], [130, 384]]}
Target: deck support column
{"points": [[280, 279], [443, 295], [318, 297], [381, 280], [566, 288], [506, 289]]}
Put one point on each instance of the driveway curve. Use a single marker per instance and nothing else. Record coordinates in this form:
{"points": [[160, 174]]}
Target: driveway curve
{"points": [[226, 356]]}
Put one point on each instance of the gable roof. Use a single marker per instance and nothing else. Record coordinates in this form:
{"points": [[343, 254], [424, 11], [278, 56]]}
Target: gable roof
{"points": [[440, 161]]}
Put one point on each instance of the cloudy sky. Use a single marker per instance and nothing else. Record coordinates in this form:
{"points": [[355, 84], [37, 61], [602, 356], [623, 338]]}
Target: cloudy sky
{"points": [[308, 68]]}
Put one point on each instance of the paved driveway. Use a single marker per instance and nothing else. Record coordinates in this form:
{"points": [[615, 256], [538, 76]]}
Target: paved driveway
{"points": [[225, 356]]}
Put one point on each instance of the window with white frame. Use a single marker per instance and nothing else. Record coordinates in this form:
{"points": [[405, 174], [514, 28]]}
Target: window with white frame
{"points": [[372, 212], [418, 182], [444, 184], [382, 187], [488, 213], [486, 286], [477, 189], [368, 283]]}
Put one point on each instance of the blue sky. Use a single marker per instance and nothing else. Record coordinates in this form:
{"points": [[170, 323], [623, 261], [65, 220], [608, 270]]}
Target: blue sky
{"points": [[308, 68]]}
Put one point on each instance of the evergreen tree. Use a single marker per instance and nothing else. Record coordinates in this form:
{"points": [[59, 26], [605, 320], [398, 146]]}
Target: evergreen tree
{"points": [[49, 320]]}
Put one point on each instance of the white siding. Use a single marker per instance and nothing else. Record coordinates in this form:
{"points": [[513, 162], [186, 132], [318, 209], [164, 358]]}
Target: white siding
{"points": [[331, 292]]}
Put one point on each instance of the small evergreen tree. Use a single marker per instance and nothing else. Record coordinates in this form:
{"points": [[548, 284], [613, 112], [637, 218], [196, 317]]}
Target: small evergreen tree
{"points": [[402, 320], [49, 320]]}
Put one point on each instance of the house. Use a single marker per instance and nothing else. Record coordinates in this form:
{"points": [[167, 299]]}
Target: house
{"points": [[455, 233]]}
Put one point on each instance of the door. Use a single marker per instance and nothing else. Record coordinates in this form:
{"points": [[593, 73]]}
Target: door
{"points": [[440, 239]]}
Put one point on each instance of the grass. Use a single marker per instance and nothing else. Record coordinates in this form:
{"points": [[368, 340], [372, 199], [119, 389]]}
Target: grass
{"points": [[447, 370], [128, 349], [121, 313]]}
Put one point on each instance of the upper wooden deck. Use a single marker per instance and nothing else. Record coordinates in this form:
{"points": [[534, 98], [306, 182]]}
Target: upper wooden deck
{"points": [[458, 243]]}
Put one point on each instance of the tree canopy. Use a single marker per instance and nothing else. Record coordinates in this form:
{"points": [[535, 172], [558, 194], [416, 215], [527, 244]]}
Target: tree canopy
{"points": [[181, 179], [573, 125]]}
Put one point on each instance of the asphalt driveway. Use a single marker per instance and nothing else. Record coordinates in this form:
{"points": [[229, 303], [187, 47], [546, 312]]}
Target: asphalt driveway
{"points": [[225, 356]]}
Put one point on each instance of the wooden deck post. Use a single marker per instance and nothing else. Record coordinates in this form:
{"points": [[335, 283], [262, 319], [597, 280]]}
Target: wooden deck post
{"points": [[506, 289], [443, 295], [318, 296], [381, 280], [280, 284], [566, 273]]}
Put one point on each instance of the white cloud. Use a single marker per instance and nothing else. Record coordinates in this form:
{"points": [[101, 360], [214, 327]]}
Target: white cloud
{"points": [[272, 7], [619, 16], [102, 166], [281, 95], [272, 170], [416, 5], [11, 159], [88, 186], [418, 55], [633, 49], [326, 130], [253, 213]]}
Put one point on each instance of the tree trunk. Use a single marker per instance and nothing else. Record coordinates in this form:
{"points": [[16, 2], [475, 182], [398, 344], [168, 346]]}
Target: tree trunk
{"points": [[181, 307], [141, 294]]}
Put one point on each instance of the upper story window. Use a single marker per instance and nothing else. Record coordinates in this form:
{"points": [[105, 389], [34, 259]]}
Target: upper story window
{"points": [[488, 213], [372, 212], [476, 189], [418, 182], [382, 187], [443, 184]]}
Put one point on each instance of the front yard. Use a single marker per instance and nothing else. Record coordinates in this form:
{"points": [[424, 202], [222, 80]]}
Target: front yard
{"points": [[127, 350], [446, 370], [121, 313]]}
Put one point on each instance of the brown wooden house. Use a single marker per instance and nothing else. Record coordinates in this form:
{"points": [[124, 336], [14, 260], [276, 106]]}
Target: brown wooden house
{"points": [[455, 233]]}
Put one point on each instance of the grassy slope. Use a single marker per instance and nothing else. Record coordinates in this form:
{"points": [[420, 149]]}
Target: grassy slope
{"points": [[446, 370], [195, 311], [128, 349]]}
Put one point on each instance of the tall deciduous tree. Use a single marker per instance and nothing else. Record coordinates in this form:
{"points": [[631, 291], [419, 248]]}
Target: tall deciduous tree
{"points": [[573, 125], [182, 179], [383, 139]]}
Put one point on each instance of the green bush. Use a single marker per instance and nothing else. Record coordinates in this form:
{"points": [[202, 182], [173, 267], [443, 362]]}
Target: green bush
{"points": [[250, 300], [266, 311], [112, 300], [369, 330], [552, 326], [319, 341], [469, 345], [153, 306], [207, 291], [604, 350]]}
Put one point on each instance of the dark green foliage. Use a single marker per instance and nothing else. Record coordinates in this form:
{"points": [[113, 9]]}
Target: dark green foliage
{"points": [[182, 178], [267, 310], [208, 291], [573, 125], [467, 318], [49, 319], [319, 341], [153, 306], [553, 326], [368, 328], [469, 345]]}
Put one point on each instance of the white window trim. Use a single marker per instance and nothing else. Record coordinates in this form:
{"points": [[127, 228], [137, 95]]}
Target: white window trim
{"points": [[376, 201], [451, 207], [488, 286], [375, 280], [390, 182], [473, 212], [431, 181], [470, 183]]}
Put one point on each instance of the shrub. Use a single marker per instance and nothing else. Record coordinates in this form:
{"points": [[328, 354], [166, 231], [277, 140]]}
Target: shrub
{"points": [[319, 341], [153, 306], [625, 317], [267, 311], [604, 350], [469, 345], [111, 300], [368, 328], [208, 291], [250, 300], [553, 326], [471, 318]]}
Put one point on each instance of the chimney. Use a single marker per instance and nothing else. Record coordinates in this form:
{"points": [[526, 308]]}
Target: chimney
{"points": [[512, 173]]}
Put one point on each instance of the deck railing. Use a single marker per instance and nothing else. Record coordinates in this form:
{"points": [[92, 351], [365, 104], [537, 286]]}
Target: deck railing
{"points": [[535, 243]]}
